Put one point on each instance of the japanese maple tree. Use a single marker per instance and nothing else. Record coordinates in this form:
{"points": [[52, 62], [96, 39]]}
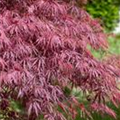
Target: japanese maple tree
{"points": [[43, 51]]}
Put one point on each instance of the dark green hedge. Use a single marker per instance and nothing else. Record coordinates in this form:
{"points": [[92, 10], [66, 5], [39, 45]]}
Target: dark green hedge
{"points": [[107, 10]]}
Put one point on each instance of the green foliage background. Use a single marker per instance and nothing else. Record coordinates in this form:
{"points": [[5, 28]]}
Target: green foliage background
{"points": [[106, 10]]}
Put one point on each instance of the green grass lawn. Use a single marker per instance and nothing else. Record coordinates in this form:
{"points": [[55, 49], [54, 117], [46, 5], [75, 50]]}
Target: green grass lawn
{"points": [[114, 43], [114, 48]]}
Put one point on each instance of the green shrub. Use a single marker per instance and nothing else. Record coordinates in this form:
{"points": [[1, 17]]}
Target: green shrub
{"points": [[106, 10]]}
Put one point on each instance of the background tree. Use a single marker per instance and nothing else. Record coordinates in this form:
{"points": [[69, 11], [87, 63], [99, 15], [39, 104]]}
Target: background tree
{"points": [[43, 52], [106, 10]]}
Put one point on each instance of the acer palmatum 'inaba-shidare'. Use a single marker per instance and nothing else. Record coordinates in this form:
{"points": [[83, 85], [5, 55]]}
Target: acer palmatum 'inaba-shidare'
{"points": [[43, 50]]}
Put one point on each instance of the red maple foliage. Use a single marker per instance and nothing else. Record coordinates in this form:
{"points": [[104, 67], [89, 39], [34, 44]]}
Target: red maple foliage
{"points": [[43, 50]]}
